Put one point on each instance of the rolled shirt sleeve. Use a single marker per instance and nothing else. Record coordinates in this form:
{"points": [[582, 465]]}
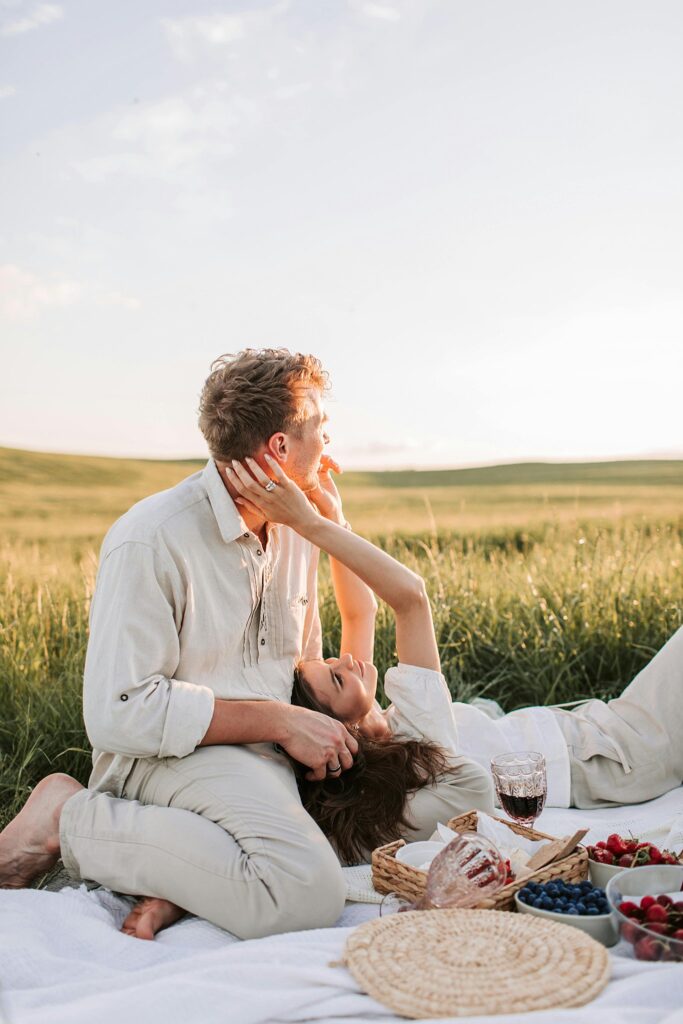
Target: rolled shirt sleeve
{"points": [[132, 702]]}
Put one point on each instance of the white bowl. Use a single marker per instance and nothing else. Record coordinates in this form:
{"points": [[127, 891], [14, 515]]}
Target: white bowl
{"points": [[417, 854], [601, 873], [601, 927]]}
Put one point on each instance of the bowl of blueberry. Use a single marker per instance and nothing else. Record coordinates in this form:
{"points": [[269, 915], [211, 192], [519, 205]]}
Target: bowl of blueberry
{"points": [[579, 904], [648, 907]]}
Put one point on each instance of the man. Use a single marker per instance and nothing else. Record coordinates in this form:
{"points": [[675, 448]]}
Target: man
{"points": [[198, 617]]}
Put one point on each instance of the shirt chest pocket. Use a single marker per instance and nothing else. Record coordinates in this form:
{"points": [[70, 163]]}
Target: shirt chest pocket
{"points": [[298, 605], [294, 615]]}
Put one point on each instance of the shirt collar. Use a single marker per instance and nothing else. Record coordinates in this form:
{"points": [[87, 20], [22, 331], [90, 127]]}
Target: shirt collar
{"points": [[230, 522]]}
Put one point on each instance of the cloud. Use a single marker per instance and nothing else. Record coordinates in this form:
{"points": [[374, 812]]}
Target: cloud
{"points": [[43, 14], [6, 91], [116, 298], [260, 78], [375, 447], [381, 11], [289, 92], [23, 294], [189, 35], [178, 139], [216, 30]]}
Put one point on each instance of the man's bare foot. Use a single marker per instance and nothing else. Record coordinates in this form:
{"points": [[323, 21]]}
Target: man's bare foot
{"points": [[149, 916], [29, 845]]}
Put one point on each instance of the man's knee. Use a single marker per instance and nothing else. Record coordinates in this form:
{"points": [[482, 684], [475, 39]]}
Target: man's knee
{"points": [[304, 894], [321, 893]]}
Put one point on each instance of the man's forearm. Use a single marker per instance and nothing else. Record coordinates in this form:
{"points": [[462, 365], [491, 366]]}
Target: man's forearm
{"points": [[246, 721]]}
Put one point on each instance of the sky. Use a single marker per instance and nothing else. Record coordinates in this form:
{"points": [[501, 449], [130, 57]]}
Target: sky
{"points": [[472, 212]]}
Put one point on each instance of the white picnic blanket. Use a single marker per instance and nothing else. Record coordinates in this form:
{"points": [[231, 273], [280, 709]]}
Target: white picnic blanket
{"points": [[63, 960]]}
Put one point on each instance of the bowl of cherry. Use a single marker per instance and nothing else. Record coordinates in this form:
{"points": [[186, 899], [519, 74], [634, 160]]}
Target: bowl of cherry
{"points": [[617, 853], [648, 907]]}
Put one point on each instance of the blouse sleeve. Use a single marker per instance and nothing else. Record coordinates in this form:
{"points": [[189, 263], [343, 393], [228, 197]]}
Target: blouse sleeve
{"points": [[421, 706]]}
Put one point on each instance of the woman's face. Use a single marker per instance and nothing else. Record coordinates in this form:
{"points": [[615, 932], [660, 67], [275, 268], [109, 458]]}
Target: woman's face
{"points": [[345, 686]]}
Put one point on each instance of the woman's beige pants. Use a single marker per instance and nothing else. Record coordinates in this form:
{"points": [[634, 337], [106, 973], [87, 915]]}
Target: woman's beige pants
{"points": [[630, 749], [223, 834]]}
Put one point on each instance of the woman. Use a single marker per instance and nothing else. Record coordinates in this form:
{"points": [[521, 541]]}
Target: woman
{"points": [[624, 751], [621, 752]]}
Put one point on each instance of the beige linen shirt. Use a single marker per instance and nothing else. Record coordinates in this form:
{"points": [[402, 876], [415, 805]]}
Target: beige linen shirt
{"points": [[189, 607]]}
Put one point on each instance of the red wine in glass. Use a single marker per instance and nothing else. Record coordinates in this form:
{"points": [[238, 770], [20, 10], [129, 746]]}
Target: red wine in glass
{"points": [[522, 808], [521, 784]]}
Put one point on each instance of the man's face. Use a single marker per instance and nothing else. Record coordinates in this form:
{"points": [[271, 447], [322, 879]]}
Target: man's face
{"points": [[306, 446]]}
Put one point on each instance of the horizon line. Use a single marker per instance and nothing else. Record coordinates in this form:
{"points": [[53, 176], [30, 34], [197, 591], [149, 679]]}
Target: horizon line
{"points": [[675, 456]]}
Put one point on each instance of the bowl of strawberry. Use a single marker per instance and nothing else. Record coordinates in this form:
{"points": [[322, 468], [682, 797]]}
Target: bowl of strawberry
{"points": [[648, 907], [617, 853]]}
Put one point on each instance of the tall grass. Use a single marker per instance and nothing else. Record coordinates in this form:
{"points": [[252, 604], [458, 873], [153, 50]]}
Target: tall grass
{"points": [[549, 617], [572, 614], [43, 637]]}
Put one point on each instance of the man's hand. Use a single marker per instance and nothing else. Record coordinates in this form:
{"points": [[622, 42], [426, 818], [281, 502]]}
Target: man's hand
{"points": [[321, 743], [325, 496]]}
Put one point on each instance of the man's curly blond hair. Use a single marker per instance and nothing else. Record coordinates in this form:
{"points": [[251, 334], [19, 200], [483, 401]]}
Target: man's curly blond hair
{"points": [[253, 394]]}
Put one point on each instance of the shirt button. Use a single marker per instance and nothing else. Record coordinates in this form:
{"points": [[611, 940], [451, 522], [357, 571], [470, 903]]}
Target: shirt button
{"points": [[246, 535], [258, 551], [263, 640], [124, 696]]}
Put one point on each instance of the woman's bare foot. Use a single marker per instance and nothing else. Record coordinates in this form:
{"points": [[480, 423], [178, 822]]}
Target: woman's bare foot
{"points": [[29, 845], [149, 916]]}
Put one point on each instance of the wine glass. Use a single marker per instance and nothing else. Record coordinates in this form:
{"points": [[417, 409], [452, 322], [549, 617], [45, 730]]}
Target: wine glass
{"points": [[469, 869], [394, 903], [521, 784]]}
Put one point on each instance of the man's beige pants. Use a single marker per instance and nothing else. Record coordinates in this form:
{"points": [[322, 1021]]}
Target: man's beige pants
{"points": [[630, 749], [223, 834]]}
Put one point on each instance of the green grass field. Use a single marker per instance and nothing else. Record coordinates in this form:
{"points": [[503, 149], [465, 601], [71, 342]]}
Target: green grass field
{"points": [[63, 498], [548, 582]]}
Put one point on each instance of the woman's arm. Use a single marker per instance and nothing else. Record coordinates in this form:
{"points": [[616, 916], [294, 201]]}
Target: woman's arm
{"points": [[355, 600], [402, 589]]}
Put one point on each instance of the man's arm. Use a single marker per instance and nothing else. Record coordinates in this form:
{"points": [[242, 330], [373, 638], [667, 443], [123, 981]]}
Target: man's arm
{"points": [[134, 705], [310, 738], [132, 702], [358, 610]]}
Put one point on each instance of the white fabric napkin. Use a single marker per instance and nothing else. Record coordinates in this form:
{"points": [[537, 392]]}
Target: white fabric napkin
{"points": [[359, 887], [667, 836]]}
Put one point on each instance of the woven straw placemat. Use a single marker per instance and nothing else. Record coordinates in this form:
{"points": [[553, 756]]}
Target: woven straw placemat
{"points": [[458, 963]]}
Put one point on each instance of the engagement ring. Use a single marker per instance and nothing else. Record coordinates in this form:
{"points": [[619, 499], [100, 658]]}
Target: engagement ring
{"points": [[337, 768], [271, 485]]}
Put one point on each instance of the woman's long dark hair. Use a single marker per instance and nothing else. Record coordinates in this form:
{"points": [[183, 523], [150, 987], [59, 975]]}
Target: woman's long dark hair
{"points": [[365, 806]]}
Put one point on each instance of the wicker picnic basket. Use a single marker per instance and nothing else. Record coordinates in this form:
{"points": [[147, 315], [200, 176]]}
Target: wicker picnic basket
{"points": [[391, 875]]}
